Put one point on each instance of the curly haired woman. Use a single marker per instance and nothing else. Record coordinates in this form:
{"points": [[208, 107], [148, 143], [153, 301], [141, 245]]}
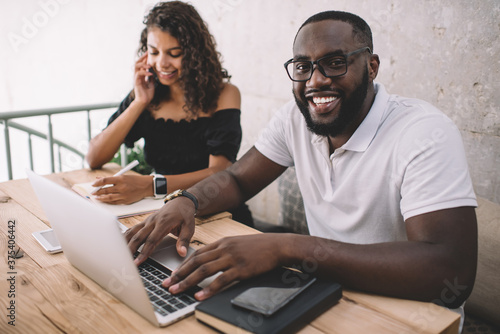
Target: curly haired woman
{"points": [[182, 105]]}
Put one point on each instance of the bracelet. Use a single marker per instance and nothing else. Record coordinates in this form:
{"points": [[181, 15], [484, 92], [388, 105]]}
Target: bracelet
{"points": [[181, 192]]}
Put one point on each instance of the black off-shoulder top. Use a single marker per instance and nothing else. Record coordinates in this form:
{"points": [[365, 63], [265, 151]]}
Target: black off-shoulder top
{"points": [[172, 147]]}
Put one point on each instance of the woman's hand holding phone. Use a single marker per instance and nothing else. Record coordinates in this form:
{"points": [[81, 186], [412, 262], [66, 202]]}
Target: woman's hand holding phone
{"points": [[144, 83]]}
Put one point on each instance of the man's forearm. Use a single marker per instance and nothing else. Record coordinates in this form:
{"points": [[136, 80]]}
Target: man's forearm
{"points": [[241, 181], [219, 192], [411, 270]]}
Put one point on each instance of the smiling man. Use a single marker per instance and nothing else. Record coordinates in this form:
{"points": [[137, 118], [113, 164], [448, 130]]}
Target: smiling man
{"points": [[386, 188]]}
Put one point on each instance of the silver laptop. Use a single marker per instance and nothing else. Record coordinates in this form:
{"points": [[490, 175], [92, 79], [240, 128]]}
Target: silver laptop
{"points": [[92, 241]]}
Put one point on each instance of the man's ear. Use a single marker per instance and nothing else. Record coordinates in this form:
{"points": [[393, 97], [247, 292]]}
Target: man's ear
{"points": [[373, 66]]}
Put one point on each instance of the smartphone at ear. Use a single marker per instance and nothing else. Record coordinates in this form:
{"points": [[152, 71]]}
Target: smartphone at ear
{"points": [[154, 77]]}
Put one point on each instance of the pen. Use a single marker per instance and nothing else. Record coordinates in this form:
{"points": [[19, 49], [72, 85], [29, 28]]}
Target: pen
{"points": [[122, 171]]}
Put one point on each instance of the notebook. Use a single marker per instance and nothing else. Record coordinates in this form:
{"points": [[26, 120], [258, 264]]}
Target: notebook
{"points": [[244, 307], [92, 241], [145, 205]]}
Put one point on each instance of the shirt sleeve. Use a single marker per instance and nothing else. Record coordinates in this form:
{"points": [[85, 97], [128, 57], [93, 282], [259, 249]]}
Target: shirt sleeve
{"points": [[137, 130], [434, 167], [224, 134], [272, 141]]}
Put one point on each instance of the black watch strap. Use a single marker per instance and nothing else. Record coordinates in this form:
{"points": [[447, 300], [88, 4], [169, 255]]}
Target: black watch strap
{"points": [[181, 192]]}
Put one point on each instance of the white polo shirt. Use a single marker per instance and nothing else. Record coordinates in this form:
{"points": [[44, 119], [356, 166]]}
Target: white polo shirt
{"points": [[406, 158]]}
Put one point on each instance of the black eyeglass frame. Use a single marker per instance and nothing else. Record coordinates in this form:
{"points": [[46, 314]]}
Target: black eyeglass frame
{"points": [[320, 68]]}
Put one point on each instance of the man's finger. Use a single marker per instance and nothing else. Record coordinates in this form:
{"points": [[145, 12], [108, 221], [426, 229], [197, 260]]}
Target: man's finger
{"points": [[218, 284], [153, 237], [136, 237], [200, 265], [184, 238]]}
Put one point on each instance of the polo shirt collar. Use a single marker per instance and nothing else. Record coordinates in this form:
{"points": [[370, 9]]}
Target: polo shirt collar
{"points": [[364, 134]]}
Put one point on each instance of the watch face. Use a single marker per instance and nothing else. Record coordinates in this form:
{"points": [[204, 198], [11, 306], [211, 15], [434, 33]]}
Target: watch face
{"points": [[161, 186]]}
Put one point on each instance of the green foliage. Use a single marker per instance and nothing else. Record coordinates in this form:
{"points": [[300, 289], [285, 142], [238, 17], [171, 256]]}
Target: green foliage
{"points": [[135, 153]]}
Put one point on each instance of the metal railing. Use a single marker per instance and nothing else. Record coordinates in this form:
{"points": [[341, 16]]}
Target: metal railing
{"points": [[7, 117]]}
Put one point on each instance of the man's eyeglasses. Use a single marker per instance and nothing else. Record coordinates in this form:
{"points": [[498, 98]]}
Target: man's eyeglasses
{"points": [[329, 66]]}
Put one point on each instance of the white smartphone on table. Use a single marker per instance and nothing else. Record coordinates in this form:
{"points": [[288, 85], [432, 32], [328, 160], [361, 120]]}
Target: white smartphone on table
{"points": [[48, 240]]}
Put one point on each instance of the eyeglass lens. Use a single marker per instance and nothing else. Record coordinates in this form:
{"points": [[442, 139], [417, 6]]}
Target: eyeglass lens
{"points": [[328, 66]]}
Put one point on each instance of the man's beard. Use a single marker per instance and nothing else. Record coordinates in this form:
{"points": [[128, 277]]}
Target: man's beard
{"points": [[349, 111]]}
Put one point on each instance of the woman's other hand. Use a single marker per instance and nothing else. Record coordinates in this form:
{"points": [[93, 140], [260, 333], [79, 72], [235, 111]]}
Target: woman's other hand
{"points": [[124, 189]]}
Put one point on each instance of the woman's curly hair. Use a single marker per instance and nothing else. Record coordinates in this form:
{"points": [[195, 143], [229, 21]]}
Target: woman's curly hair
{"points": [[202, 74]]}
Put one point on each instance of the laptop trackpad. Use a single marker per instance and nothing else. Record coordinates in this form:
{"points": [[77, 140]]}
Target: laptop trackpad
{"points": [[166, 254]]}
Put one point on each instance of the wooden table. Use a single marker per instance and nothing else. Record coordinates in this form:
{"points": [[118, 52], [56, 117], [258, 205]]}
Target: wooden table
{"points": [[43, 293]]}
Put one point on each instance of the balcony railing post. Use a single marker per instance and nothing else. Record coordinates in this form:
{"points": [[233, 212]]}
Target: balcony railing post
{"points": [[89, 126], [89, 133], [30, 150], [50, 139], [123, 153], [7, 148], [59, 157]]}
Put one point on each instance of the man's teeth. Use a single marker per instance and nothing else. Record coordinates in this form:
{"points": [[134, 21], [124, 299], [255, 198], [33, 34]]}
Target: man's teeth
{"points": [[322, 100]]}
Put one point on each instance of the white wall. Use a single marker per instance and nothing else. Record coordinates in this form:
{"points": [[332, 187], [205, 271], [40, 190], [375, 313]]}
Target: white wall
{"points": [[59, 53]]}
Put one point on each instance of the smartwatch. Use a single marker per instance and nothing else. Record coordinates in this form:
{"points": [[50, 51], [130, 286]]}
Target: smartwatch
{"points": [[159, 185], [180, 192]]}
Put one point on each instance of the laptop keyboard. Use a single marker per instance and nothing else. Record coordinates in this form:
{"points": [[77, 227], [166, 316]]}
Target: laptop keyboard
{"points": [[163, 301]]}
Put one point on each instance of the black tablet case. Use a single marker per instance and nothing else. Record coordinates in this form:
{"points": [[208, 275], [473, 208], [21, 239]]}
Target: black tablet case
{"points": [[301, 310]]}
